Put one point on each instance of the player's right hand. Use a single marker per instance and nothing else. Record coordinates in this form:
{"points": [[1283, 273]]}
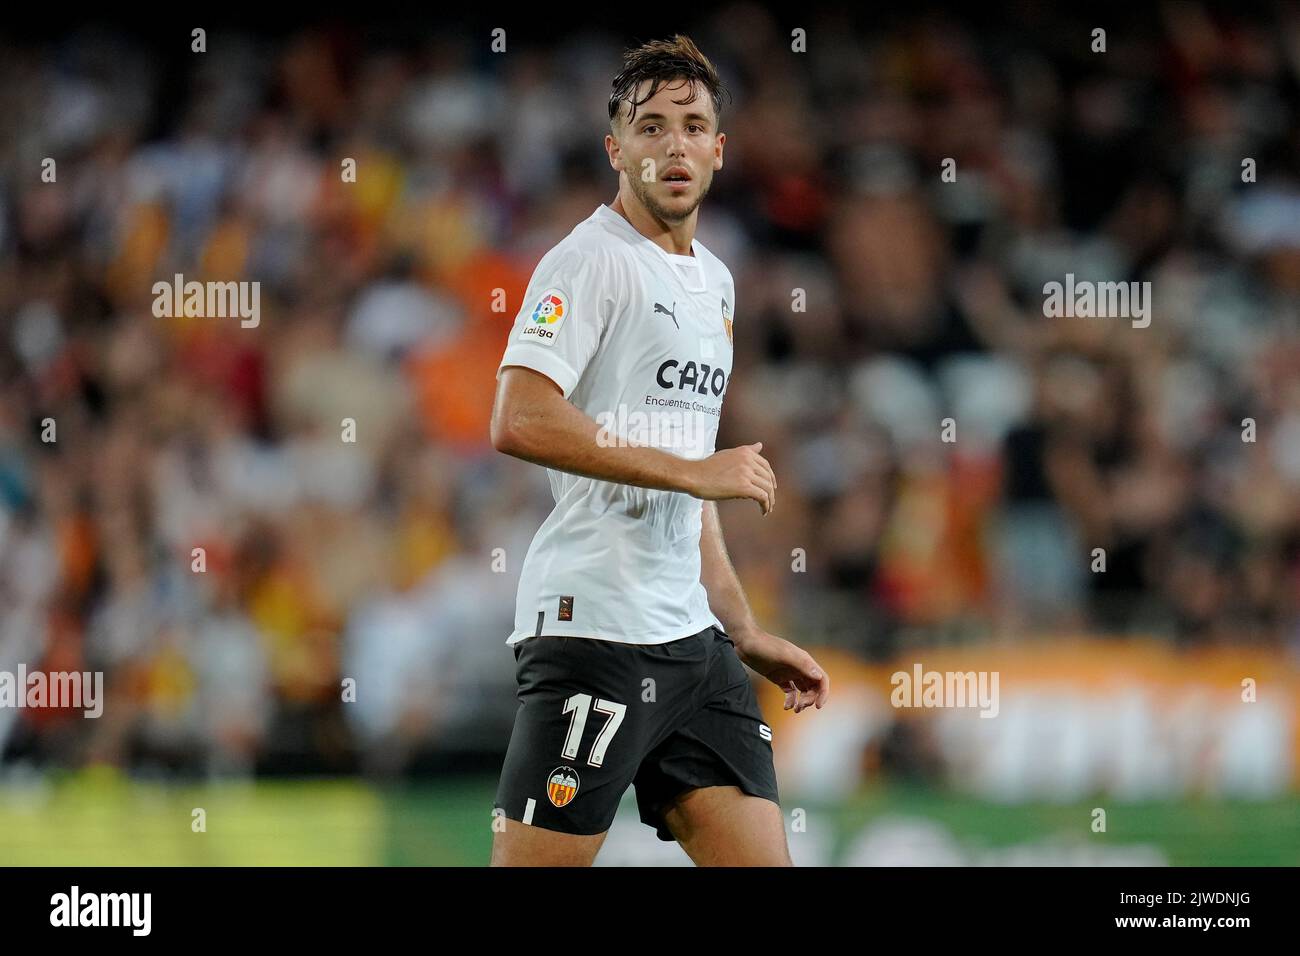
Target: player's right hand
{"points": [[739, 472]]}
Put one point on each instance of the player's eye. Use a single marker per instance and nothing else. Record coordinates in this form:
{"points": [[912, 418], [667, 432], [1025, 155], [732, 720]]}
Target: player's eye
{"points": [[646, 129]]}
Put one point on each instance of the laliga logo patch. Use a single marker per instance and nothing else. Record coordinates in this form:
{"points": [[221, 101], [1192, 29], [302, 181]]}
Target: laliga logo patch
{"points": [[548, 315], [562, 785]]}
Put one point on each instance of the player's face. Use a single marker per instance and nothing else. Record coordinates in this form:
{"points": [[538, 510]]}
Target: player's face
{"points": [[670, 150]]}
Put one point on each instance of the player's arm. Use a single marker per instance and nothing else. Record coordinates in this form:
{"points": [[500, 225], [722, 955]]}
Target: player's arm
{"points": [[726, 597], [789, 667], [532, 420]]}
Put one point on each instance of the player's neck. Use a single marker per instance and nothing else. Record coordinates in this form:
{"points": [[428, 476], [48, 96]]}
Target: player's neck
{"points": [[675, 238]]}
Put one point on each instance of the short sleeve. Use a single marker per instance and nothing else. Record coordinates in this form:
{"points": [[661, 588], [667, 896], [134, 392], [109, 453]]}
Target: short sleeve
{"points": [[563, 316]]}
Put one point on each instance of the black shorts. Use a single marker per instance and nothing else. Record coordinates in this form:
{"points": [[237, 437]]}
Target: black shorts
{"points": [[595, 716]]}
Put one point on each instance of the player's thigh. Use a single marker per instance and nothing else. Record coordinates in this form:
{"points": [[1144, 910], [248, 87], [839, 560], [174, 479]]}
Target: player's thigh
{"points": [[519, 844], [724, 808], [724, 826], [580, 733]]}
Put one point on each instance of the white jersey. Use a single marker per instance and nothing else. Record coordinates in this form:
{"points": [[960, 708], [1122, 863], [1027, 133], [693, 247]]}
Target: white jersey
{"points": [[640, 340]]}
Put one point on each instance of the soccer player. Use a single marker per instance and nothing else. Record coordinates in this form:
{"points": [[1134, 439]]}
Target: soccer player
{"points": [[631, 626]]}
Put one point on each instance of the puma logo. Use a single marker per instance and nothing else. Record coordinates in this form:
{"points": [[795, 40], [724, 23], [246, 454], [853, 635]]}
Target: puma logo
{"points": [[672, 315]]}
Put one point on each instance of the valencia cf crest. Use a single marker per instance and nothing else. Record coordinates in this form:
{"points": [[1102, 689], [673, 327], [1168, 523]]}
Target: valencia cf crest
{"points": [[726, 319], [562, 786]]}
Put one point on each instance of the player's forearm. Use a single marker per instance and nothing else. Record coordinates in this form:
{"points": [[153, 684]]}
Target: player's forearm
{"points": [[726, 597], [560, 436]]}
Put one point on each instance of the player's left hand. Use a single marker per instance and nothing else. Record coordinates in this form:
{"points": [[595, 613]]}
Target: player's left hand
{"points": [[787, 666]]}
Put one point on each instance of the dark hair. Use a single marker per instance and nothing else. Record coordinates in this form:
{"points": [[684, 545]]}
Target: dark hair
{"points": [[661, 61]]}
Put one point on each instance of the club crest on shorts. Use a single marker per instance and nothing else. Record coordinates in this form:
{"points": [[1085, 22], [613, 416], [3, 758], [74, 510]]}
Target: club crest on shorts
{"points": [[547, 316], [562, 786]]}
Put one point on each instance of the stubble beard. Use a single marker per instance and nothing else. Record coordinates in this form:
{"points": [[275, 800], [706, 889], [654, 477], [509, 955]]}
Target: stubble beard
{"points": [[661, 212]]}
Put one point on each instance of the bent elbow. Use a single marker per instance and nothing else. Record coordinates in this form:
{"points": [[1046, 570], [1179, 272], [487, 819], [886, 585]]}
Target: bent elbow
{"points": [[501, 435], [506, 435]]}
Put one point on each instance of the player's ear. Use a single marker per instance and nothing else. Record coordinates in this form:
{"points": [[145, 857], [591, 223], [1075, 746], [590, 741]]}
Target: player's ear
{"points": [[717, 151], [614, 151]]}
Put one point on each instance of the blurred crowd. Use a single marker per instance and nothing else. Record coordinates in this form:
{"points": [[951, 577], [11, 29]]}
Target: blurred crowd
{"points": [[182, 505]]}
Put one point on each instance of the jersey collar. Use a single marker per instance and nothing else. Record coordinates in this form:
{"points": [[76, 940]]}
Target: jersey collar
{"points": [[672, 263]]}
